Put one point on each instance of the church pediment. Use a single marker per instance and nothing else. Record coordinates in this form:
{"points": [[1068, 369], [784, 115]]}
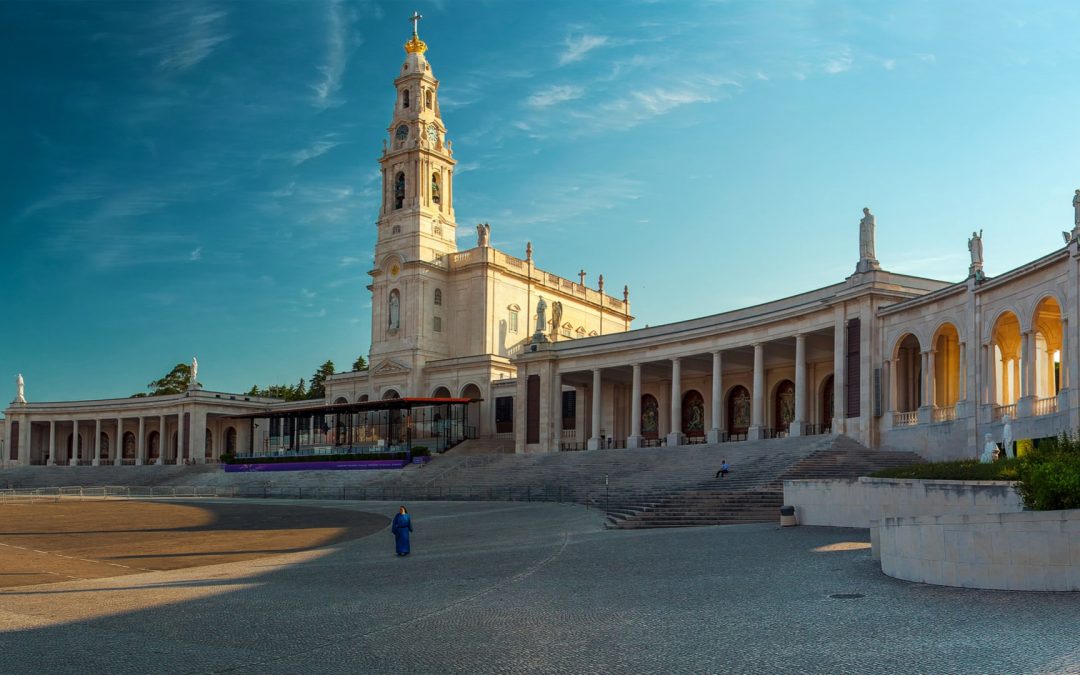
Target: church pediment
{"points": [[389, 367]]}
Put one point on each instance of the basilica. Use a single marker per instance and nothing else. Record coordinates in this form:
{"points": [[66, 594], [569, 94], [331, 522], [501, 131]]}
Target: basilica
{"points": [[543, 363]]}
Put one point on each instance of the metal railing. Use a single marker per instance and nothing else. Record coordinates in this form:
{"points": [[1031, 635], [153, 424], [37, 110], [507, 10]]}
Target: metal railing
{"points": [[947, 414], [1002, 410], [1046, 406], [905, 419]]}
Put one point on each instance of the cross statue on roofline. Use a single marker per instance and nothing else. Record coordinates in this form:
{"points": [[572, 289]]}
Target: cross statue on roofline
{"points": [[415, 18]]}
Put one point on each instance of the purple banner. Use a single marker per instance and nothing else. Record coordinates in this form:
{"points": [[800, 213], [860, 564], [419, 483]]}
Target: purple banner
{"points": [[358, 465]]}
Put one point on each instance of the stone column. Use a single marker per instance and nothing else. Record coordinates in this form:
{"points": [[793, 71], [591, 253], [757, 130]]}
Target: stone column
{"points": [[931, 379], [839, 379], [716, 432], [1025, 405], [634, 441], [557, 411], [181, 429], [925, 413], [1064, 372], [162, 442], [757, 408], [118, 455], [6, 450], [52, 443], [675, 436], [797, 427], [961, 395], [594, 432], [140, 447], [25, 438], [74, 459], [96, 445], [198, 435]]}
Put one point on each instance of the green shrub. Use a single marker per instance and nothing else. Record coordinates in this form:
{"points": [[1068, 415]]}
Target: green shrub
{"points": [[227, 458], [1050, 481], [420, 451], [1024, 447], [965, 469]]}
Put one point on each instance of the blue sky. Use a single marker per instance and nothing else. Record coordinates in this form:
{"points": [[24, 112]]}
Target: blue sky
{"points": [[199, 177]]}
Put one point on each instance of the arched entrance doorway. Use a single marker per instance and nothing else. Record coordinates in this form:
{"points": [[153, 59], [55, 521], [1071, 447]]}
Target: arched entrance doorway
{"points": [[784, 406], [209, 452], [693, 414], [130, 447], [827, 406], [738, 410], [650, 417], [153, 443], [472, 422], [230, 440]]}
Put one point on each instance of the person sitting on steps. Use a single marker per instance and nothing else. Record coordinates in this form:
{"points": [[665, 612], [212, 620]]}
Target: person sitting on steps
{"points": [[724, 468]]}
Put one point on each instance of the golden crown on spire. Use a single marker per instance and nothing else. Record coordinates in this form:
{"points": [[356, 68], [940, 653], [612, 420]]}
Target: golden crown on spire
{"points": [[415, 45]]}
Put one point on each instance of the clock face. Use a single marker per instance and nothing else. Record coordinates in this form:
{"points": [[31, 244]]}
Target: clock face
{"points": [[433, 134], [402, 132]]}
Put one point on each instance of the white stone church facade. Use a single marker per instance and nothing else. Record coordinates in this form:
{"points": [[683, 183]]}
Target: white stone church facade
{"points": [[891, 360]]}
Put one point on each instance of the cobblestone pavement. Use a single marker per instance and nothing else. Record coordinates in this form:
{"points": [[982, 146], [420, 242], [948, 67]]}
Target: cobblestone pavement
{"points": [[519, 587]]}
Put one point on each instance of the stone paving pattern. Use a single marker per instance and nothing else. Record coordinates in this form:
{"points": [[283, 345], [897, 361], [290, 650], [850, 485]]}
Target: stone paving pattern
{"points": [[520, 587]]}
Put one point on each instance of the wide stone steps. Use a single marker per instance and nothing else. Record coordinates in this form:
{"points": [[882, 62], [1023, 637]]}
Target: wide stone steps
{"points": [[711, 504]]}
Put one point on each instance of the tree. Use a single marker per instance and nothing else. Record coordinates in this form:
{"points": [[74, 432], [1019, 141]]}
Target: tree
{"points": [[360, 363], [176, 382], [318, 380]]}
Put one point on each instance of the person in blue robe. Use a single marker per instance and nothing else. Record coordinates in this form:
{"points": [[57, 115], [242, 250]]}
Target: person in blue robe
{"points": [[401, 528]]}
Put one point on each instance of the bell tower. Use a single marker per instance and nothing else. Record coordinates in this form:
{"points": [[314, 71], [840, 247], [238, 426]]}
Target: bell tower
{"points": [[417, 215], [416, 229]]}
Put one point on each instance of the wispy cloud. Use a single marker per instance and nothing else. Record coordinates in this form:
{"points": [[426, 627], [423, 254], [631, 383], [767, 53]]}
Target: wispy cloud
{"points": [[839, 63], [196, 254], [553, 95], [319, 147], [194, 32], [577, 46], [333, 69], [637, 107]]}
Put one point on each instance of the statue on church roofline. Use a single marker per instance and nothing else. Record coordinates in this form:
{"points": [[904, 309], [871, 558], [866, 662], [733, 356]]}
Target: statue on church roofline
{"points": [[541, 322], [975, 246], [867, 258], [1076, 210], [483, 235], [20, 389]]}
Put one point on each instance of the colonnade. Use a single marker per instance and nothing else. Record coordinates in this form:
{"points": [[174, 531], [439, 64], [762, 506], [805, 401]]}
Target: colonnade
{"points": [[718, 426]]}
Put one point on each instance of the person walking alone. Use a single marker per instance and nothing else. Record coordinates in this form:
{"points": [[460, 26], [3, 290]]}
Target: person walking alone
{"points": [[401, 528]]}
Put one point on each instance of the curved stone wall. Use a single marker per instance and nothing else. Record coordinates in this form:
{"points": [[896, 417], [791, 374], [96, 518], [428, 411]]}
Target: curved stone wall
{"points": [[1026, 551]]}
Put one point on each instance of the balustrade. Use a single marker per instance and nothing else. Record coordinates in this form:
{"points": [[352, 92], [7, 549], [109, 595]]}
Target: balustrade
{"points": [[944, 414], [1002, 410], [905, 419], [1046, 406]]}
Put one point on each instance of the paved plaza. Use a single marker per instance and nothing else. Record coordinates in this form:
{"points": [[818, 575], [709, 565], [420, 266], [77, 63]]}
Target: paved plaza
{"points": [[520, 587]]}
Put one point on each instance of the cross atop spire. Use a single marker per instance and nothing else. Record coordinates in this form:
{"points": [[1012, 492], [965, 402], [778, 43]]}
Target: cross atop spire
{"points": [[415, 45]]}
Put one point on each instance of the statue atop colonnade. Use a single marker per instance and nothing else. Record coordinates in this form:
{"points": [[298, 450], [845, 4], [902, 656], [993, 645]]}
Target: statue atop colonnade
{"points": [[867, 258]]}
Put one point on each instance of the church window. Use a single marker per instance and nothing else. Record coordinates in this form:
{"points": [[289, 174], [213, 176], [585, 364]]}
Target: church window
{"points": [[569, 410], [429, 99], [436, 196], [401, 133], [399, 190], [395, 229], [438, 296], [437, 324], [404, 98], [513, 321]]}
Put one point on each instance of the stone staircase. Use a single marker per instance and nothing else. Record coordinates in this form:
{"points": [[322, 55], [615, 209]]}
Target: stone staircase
{"points": [[482, 446], [750, 495]]}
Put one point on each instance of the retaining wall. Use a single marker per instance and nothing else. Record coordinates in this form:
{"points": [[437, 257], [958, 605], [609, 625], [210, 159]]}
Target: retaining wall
{"points": [[1029, 551], [857, 502]]}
